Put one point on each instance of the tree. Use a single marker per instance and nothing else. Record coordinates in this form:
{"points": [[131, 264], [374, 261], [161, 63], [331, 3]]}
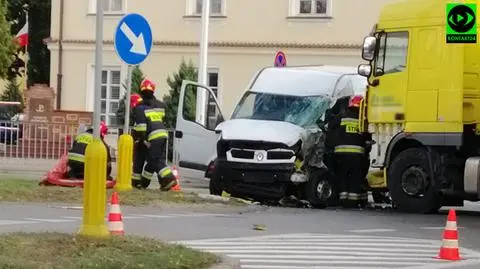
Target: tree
{"points": [[137, 78], [186, 71], [13, 93], [39, 28], [7, 46]]}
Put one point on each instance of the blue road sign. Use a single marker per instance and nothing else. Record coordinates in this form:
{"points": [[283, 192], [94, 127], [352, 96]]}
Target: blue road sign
{"points": [[133, 39], [280, 59]]}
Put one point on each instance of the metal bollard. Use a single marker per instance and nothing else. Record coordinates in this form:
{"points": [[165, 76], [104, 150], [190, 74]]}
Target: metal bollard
{"points": [[94, 191], [124, 163]]}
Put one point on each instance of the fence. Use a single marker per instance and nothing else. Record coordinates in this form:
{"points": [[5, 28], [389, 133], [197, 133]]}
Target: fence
{"points": [[45, 141]]}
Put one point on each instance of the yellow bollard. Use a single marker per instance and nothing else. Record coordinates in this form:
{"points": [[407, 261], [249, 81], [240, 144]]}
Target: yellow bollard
{"points": [[94, 191], [124, 163]]}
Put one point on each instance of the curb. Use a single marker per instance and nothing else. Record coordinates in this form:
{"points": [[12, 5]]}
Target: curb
{"points": [[227, 263]]}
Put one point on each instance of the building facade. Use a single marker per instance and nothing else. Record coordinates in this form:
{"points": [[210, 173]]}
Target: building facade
{"points": [[244, 37]]}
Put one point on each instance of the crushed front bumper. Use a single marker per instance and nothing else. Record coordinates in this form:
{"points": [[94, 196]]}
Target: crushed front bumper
{"points": [[257, 181]]}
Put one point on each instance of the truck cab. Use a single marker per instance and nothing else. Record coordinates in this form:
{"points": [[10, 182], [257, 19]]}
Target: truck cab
{"points": [[254, 153], [422, 107]]}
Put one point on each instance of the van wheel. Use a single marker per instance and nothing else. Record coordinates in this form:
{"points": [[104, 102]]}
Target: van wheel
{"points": [[409, 182], [215, 185], [319, 191]]}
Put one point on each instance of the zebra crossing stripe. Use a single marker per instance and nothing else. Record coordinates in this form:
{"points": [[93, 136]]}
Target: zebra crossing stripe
{"points": [[314, 251]]}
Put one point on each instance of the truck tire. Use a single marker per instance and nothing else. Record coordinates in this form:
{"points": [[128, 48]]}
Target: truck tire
{"points": [[410, 184], [215, 185]]}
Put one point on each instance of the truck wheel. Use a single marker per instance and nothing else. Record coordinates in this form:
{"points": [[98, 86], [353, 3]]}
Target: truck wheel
{"points": [[410, 184], [215, 185], [319, 191]]}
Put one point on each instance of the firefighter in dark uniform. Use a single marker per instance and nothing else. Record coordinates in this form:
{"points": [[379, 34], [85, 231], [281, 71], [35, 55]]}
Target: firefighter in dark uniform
{"points": [[350, 158], [150, 131], [76, 155]]}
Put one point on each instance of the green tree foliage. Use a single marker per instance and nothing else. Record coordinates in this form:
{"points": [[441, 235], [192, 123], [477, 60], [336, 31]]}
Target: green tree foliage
{"points": [[39, 29], [12, 93], [7, 46], [137, 78], [186, 71]]}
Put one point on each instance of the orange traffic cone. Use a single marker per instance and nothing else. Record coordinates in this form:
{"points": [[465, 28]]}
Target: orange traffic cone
{"points": [[449, 250], [115, 218], [177, 177]]}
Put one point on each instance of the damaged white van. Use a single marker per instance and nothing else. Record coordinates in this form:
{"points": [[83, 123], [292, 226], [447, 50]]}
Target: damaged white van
{"points": [[276, 127]]}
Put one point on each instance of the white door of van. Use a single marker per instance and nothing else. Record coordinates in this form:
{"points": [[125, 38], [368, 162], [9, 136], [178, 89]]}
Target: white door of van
{"points": [[195, 140]]}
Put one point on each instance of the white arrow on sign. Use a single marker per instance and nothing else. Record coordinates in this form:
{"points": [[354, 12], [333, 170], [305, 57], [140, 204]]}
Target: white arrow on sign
{"points": [[138, 42]]}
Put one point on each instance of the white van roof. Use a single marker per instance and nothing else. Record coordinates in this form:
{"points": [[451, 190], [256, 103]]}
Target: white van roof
{"points": [[308, 80]]}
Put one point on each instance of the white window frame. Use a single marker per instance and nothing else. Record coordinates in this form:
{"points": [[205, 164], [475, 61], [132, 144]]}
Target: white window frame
{"points": [[107, 99], [91, 84], [294, 10], [191, 9], [92, 8]]}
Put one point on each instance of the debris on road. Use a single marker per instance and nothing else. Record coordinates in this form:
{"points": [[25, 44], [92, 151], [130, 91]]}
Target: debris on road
{"points": [[259, 227]]}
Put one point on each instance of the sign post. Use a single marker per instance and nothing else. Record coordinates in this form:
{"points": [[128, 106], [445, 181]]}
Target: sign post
{"points": [[133, 42], [280, 59]]}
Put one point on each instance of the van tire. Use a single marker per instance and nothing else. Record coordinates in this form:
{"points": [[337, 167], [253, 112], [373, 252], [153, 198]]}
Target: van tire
{"points": [[317, 177], [215, 185], [410, 174]]}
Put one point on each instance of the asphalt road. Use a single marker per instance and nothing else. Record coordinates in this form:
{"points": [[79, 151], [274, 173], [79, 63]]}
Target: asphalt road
{"points": [[293, 238]]}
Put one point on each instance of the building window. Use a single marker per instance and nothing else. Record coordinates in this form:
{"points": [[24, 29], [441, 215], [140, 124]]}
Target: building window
{"points": [[110, 96], [392, 53], [212, 111], [311, 8], [109, 6], [217, 7]]}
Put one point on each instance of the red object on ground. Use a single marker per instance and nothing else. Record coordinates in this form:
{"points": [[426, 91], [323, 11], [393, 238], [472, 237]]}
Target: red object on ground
{"points": [[58, 176]]}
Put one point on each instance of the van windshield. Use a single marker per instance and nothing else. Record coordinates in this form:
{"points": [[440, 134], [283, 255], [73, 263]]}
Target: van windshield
{"points": [[303, 111]]}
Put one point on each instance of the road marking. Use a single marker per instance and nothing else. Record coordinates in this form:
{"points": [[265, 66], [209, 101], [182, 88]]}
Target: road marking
{"points": [[50, 220], [315, 251], [301, 267], [373, 231], [437, 228], [15, 222]]}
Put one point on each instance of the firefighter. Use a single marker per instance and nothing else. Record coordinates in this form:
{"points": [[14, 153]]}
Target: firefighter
{"points": [[350, 158], [76, 155], [151, 137]]}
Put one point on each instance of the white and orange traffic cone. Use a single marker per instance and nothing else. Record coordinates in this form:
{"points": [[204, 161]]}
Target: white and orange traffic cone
{"points": [[450, 249], [115, 218], [177, 187]]}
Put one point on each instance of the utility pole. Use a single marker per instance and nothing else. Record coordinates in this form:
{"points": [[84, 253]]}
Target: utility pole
{"points": [[202, 95], [98, 68]]}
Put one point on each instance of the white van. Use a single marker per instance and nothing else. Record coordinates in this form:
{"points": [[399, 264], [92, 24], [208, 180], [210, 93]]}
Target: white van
{"points": [[253, 154]]}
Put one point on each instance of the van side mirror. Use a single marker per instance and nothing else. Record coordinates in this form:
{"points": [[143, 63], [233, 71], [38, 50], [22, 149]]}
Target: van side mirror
{"points": [[369, 45], [364, 70]]}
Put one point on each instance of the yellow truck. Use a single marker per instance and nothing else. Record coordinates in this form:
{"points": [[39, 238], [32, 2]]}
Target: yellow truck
{"points": [[422, 104]]}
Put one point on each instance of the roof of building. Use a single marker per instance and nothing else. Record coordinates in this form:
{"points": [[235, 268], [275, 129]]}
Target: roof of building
{"points": [[310, 81]]}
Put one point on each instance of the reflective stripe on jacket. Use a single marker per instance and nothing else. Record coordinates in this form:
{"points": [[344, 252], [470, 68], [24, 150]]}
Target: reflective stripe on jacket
{"points": [[149, 117], [349, 140], [77, 152], [349, 149]]}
